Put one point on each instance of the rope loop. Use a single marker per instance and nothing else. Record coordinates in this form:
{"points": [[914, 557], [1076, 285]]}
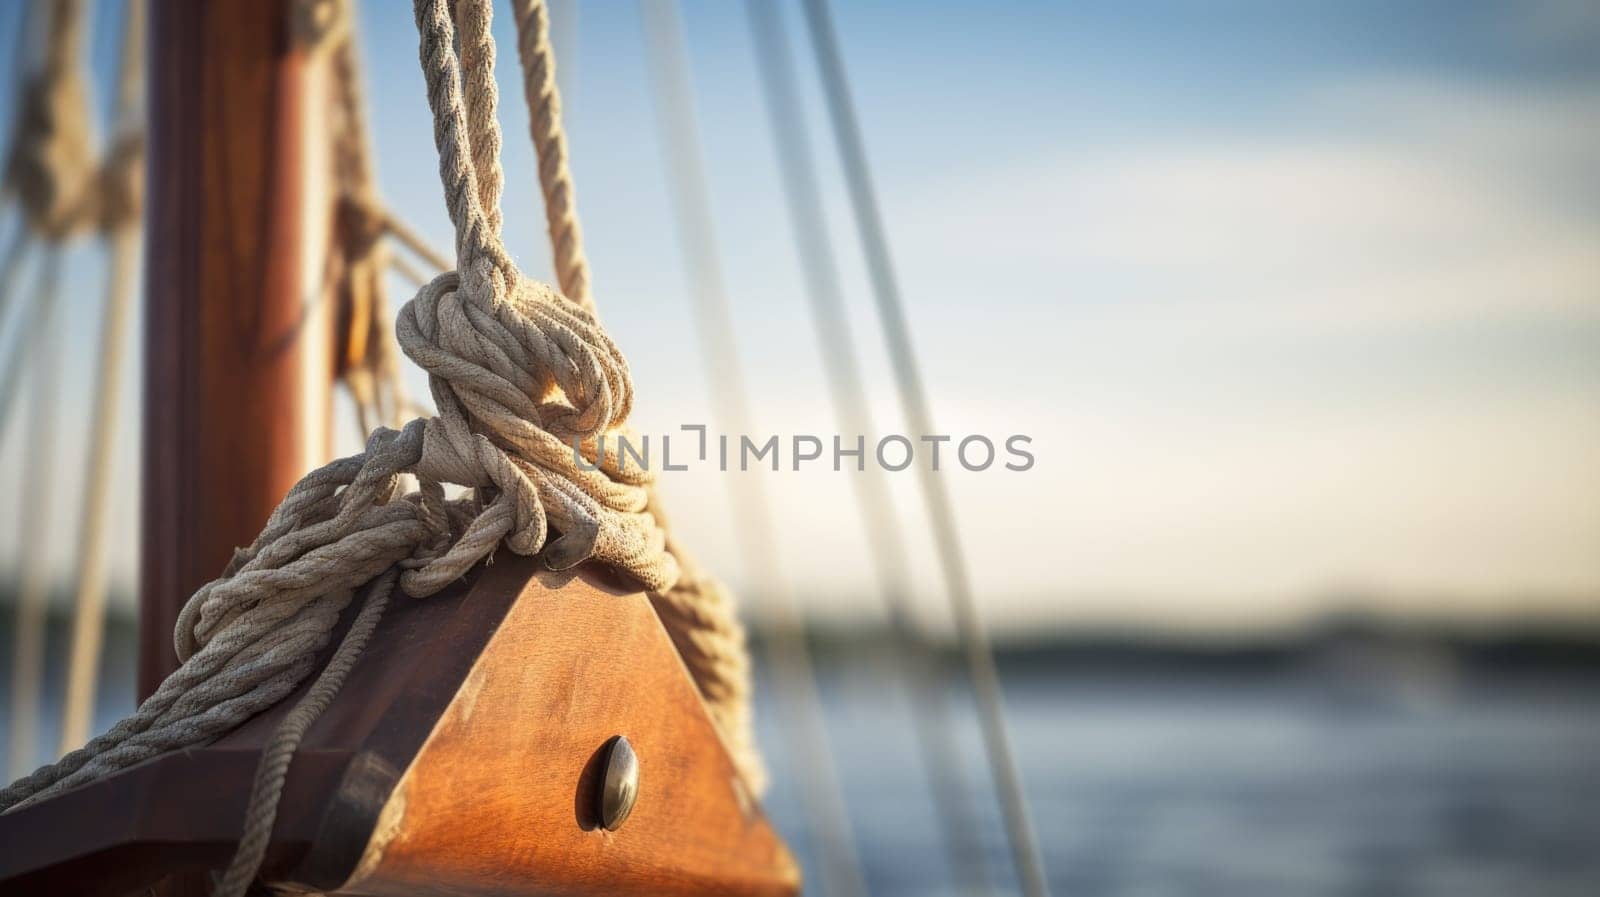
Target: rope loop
{"points": [[519, 376]]}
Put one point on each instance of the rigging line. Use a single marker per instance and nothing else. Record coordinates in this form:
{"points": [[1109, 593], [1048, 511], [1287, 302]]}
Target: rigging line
{"points": [[409, 272], [543, 93], [15, 355], [16, 253], [902, 357], [129, 111], [918, 666], [821, 794], [408, 237], [43, 354], [89, 602]]}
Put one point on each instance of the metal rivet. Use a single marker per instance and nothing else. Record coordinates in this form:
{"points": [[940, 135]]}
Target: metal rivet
{"points": [[621, 784]]}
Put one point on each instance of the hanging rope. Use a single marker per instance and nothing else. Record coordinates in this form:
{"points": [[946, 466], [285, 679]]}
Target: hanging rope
{"points": [[550, 142], [698, 611], [491, 340], [518, 375], [120, 205]]}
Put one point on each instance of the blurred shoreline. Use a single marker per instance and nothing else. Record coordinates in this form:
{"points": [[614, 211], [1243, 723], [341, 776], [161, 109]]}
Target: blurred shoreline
{"points": [[1331, 643]]}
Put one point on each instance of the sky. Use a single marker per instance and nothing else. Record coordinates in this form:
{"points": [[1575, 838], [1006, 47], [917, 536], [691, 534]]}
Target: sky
{"points": [[1299, 303]]}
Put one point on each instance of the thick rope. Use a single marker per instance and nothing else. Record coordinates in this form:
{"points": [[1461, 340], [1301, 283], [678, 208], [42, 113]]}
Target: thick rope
{"points": [[272, 771], [519, 375], [550, 142], [698, 611], [491, 341]]}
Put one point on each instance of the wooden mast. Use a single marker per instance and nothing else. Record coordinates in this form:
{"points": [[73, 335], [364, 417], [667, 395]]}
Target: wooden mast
{"points": [[237, 356]]}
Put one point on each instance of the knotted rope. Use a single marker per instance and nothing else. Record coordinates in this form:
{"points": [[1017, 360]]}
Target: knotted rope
{"points": [[517, 374], [550, 143]]}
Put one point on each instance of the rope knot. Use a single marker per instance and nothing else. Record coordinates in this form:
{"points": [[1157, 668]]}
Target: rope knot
{"points": [[519, 375], [516, 355]]}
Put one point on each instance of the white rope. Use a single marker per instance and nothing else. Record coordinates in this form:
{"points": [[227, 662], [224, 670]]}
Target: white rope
{"points": [[519, 375], [491, 341]]}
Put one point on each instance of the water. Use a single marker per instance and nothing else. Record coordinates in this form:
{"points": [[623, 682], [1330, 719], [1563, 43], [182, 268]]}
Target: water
{"points": [[1171, 783], [1185, 785]]}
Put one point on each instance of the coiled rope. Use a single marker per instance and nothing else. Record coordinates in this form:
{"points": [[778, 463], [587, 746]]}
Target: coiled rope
{"points": [[518, 375]]}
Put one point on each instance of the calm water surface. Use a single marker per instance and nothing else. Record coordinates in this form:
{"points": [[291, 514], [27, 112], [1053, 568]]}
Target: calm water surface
{"points": [[1172, 784]]}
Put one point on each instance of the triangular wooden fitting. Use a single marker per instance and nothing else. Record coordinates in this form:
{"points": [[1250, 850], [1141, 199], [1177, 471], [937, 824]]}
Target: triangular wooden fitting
{"points": [[463, 756]]}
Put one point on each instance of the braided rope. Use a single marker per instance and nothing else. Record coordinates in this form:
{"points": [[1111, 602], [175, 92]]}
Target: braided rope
{"points": [[491, 340], [550, 143], [518, 375]]}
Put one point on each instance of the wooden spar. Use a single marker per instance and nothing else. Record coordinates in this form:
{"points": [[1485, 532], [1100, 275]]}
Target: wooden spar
{"points": [[238, 362]]}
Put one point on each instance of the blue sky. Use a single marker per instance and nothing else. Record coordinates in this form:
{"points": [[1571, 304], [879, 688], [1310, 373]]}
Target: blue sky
{"points": [[1297, 301]]}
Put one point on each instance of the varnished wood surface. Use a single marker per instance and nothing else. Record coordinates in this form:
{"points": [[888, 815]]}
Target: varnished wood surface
{"points": [[225, 433], [503, 798], [464, 739]]}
